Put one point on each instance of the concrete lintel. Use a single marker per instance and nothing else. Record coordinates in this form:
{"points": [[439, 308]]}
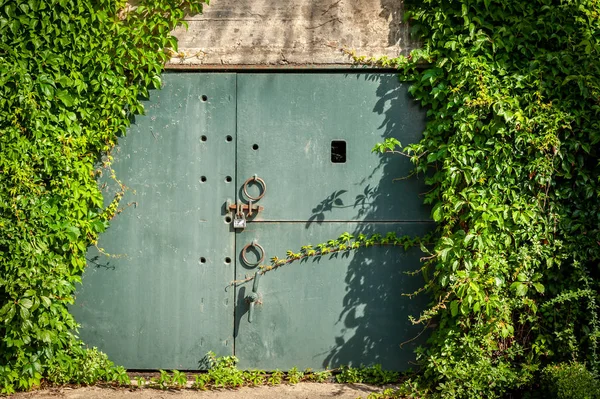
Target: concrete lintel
{"points": [[292, 32]]}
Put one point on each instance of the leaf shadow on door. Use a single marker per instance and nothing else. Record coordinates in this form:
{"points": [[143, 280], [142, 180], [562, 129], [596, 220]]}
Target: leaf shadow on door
{"points": [[374, 322], [335, 200]]}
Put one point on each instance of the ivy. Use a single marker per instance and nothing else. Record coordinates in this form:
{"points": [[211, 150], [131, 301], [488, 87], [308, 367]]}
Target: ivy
{"points": [[510, 151], [345, 243], [72, 73]]}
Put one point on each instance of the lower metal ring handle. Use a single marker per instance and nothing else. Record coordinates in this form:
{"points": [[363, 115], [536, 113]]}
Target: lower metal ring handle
{"points": [[263, 187], [262, 254]]}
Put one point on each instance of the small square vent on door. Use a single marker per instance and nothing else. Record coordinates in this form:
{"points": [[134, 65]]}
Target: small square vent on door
{"points": [[338, 151]]}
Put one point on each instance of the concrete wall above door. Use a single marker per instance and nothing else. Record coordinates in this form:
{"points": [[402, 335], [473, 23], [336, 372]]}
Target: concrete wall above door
{"points": [[292, 32]]}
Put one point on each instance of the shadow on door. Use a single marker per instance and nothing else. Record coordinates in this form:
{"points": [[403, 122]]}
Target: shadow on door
{"points": [[374, 325]]}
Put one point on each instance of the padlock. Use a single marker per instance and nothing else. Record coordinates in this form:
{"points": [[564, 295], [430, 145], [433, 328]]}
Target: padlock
{"points": [[239, 222]]}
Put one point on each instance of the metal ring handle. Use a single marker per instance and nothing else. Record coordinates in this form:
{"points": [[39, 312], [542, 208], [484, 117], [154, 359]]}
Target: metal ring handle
{"points": [[261, 182], [262, 252]]}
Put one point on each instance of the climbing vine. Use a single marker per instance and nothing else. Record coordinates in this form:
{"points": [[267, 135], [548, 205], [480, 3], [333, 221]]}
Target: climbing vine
{"points": [[72, 73], [512, 93], [345, 243]]}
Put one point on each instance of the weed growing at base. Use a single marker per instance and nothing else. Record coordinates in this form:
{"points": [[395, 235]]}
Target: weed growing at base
{"points": [[223, 373]]}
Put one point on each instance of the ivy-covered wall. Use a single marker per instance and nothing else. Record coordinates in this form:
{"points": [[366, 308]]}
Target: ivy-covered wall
{"points": [[72, 73], [512, 93]]}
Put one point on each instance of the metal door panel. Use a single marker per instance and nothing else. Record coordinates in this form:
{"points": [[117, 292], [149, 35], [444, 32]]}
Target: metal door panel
{"points": [[160, 300], [286, 124], [345, 308], [349, 309], [161, 303]]}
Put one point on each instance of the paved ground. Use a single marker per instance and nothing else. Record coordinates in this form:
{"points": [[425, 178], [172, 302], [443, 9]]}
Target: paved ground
{"points": [[304, 390]]}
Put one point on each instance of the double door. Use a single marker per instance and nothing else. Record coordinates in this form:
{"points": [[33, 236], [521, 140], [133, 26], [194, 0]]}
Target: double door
{"points": [[296, 150]]}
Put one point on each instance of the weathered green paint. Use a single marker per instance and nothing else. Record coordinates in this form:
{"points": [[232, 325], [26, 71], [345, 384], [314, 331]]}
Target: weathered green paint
{"points": [[327, 311], [294, 117], [159, 306], [347, 309]]}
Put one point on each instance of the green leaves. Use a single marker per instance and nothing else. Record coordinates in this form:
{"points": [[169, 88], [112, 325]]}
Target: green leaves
{"points": [[343, 244], [454, 308], [65, 97], [519, 288], [437, 214], [46, 85], [389, 145], [68, 72], [510, 153]]}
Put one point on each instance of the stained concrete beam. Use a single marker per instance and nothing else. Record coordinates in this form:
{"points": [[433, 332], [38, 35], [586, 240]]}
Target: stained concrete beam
{"points": [[292, 32]]}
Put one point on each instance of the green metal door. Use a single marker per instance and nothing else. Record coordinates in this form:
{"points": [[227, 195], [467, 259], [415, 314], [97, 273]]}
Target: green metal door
{"points": [[158, 300], [162, 299], [309, 138]]}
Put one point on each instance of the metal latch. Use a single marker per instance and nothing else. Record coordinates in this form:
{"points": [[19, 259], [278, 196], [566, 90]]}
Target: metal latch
{"points": [[254, 297], [248, 209], [242, 212]]}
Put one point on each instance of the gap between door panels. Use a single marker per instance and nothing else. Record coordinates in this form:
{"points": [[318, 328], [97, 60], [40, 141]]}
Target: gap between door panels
{"points": [[235, 189]]}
